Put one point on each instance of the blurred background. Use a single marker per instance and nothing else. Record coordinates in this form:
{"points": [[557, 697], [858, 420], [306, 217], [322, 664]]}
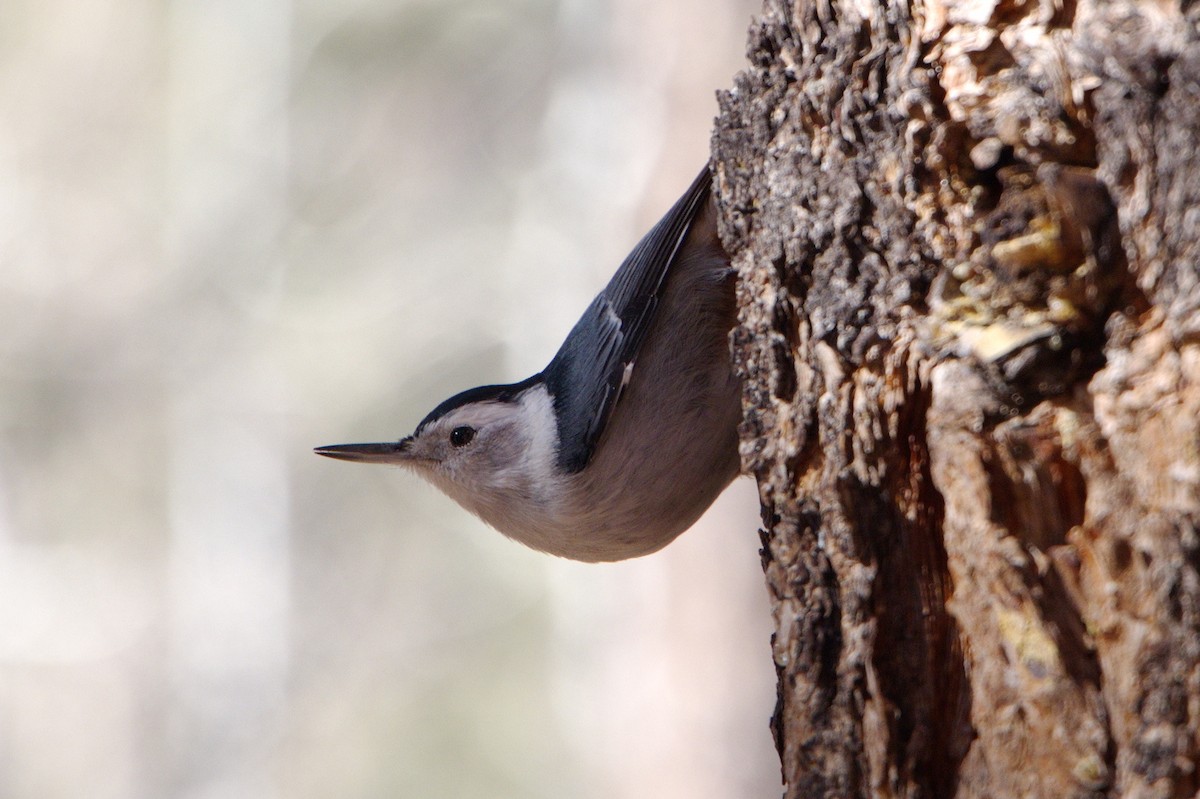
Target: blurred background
{"points": [[232, 230]]}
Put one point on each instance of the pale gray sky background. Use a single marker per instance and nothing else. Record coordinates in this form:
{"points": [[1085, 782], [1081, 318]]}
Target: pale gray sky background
{"points": [[232, 230]]}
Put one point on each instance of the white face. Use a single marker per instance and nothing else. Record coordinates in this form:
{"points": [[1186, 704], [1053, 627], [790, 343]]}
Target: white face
{"points": [[493, 458], [466, 444]]}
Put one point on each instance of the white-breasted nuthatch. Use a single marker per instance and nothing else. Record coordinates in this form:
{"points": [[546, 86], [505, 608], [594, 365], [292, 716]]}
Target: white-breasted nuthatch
{"points": [[630, 433]]}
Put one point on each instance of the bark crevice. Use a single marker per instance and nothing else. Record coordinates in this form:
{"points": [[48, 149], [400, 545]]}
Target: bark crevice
{"points": [[969, 297]]}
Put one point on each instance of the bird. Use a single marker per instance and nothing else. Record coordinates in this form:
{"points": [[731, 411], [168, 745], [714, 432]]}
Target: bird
{"points": [[628, 435]]}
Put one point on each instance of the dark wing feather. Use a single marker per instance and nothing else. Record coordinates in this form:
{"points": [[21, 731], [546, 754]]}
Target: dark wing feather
{"points": [[587, 375]]}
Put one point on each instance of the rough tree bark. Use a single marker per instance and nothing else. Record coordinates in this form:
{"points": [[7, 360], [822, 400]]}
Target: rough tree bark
{"points": [[968, 235]]}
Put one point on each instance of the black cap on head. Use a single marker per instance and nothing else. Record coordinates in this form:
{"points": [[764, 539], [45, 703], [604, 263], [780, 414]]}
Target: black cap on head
{"points": [[498, 393]]}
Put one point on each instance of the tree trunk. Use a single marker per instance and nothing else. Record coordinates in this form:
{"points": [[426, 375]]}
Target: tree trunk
{"points": [[968, 235]]}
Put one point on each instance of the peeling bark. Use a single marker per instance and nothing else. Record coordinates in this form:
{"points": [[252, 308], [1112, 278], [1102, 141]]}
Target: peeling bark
{"points": [[968, 244]]}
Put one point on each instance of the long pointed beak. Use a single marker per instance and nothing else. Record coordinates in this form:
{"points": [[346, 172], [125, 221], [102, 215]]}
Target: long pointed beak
{"points": [[387, 452]]}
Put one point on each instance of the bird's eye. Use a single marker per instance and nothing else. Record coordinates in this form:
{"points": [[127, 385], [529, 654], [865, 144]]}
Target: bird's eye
{"points": [[461, 436]]}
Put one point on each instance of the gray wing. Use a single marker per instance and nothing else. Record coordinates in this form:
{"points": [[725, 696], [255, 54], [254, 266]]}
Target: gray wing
{"points": [[587, 375]]}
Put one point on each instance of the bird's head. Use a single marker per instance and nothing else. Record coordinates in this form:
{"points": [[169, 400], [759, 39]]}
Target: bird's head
{"points": [[491, 449]]}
